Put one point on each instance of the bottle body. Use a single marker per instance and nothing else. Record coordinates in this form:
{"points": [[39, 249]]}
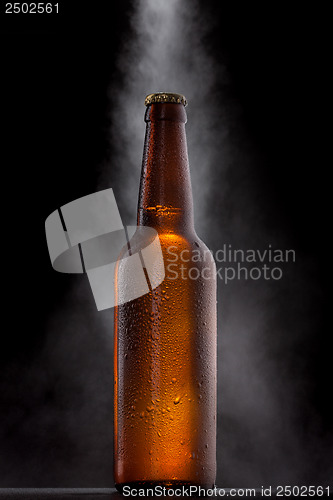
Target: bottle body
{"points": [[165, 358]]}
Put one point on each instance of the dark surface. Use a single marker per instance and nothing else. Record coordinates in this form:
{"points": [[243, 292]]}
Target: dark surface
{"points": [[59, 493], [97, 493]]}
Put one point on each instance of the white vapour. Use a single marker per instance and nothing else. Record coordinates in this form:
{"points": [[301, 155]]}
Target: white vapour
{"points": [[164, 54]]}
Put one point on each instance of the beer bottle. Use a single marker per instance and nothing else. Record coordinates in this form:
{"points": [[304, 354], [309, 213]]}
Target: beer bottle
{"points": [[165, 340]]}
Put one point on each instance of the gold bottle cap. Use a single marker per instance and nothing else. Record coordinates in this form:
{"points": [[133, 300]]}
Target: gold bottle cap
{"points": [[165, 97]]}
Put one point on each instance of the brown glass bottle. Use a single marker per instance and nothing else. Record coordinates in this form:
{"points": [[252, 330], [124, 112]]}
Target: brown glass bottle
{"points": [[165, 341]]}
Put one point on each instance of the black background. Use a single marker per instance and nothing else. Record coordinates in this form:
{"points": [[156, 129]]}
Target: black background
{"points": [[55, 76]]}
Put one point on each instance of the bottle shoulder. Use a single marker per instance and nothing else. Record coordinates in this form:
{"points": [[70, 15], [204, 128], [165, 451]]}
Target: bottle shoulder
{"points": [[186, 248], [180, 246]]}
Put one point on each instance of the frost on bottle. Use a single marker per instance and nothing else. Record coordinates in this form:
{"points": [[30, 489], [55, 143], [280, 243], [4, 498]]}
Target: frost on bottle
{"points": [[165, 340]]}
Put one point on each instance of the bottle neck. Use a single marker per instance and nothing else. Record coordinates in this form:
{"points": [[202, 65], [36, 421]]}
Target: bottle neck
{"points": [[165, 199]]}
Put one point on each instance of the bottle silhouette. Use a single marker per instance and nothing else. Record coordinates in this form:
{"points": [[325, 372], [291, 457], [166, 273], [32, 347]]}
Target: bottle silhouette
{"points": [[165, 340]]}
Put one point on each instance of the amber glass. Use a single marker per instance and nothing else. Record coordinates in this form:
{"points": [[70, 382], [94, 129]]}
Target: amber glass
{"points": [[165, 341]]}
